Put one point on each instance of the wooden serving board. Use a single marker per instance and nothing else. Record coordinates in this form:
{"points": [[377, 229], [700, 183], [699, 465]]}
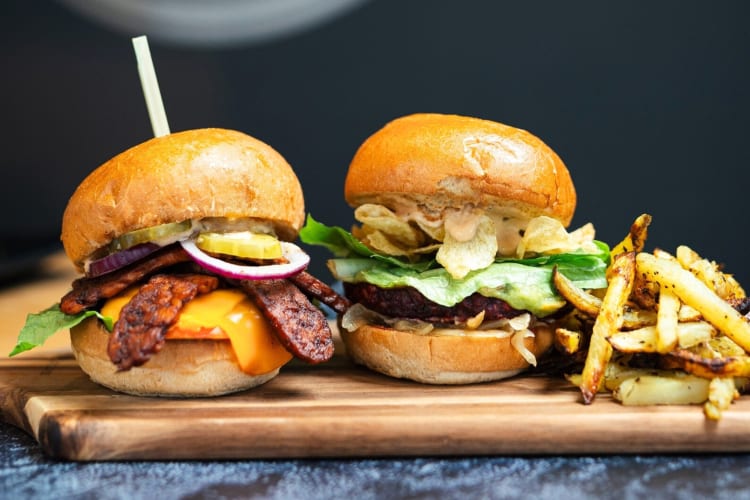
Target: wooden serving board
{"points": [[331, 410], [341, 410]]}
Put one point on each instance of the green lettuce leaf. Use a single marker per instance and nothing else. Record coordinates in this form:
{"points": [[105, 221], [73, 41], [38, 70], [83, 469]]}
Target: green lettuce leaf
{"points": [[41, 326], [523, 287]]}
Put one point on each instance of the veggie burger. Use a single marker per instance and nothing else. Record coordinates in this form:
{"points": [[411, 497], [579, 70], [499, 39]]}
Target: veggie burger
{"points": [[191, 286], [461, 223]]}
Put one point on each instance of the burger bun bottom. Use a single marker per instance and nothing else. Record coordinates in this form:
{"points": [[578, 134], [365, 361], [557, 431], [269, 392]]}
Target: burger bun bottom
{"points": [[460, 358], [182, 368]]}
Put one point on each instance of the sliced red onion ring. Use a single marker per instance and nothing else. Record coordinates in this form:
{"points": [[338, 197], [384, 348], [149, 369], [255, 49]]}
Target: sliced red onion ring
{"points": [[115, 261], [297, 258]]}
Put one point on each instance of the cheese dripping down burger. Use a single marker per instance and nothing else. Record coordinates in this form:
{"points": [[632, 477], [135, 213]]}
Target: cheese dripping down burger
{"points": [[185, 245], [461, 222]]}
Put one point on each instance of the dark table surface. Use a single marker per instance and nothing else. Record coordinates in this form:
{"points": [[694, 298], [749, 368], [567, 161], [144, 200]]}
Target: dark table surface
{"points": [[25, 472]]}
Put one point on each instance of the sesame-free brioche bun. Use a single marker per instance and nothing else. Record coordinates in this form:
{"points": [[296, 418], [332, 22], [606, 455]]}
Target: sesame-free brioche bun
{"points": [[457, 358], [182, 368], [440, 161], [186, 175]]}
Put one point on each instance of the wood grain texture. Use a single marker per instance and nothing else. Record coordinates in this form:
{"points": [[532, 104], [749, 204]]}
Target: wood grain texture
{"points": [[340, 410]]}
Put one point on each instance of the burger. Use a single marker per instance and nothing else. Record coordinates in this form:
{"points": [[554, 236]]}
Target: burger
{"points": [[460, 224], [191, 284]]}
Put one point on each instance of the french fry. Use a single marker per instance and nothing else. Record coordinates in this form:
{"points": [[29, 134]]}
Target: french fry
{"points": [[729, 366], [639, 340], [637, 318], [617, 371], [688, 313], [663, 254], [579, 298], [662, 388], [681, 310], [620, 277], [646, 339], [696, 294], [721, 393], [591, 305], [636, 238], [709, 273], [666, 321], [724, 346], [645, 293], [690, 334], [614, 374], [568, 340]]}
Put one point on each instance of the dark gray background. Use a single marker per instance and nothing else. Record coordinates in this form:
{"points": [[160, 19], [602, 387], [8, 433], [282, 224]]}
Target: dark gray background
{"points": [[646, 102]]}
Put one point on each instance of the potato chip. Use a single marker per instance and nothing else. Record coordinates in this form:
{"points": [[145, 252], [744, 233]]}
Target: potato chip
{"points": [[384, 220], [545, 235], [380, 242], [384, 232], [434, 230], [459, 258], [583, 235]]}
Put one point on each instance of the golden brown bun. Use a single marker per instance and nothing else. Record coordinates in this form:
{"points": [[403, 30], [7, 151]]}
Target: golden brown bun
{"points": [[440, 359], [449, 160], [185, 175], [183, 368]]}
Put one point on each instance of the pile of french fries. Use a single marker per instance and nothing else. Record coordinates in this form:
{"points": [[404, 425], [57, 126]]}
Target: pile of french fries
{"points": [[667, 329]]}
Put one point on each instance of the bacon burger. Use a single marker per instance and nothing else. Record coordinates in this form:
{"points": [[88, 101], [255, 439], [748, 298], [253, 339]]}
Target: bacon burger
{"points": [[461, 222], [191, 286]]}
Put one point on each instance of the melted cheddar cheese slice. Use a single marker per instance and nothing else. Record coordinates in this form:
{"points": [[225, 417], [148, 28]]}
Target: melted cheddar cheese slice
{"points": [[222, 314]]}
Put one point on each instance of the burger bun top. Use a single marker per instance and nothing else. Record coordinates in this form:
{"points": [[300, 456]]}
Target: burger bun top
{"points": [[188, 175], [439, 161]]}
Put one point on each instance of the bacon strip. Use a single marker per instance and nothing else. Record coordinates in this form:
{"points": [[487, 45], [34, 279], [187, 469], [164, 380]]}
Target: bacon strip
{"points": [[141, 329], [314, 288], [87, 292], [300, 326]]}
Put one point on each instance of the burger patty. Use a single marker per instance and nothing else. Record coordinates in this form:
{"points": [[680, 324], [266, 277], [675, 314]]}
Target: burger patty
{"points": [[407, 302]]}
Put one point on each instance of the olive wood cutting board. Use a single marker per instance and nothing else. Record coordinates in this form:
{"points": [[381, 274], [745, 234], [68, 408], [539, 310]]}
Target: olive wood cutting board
{"points": [[342, 410]]}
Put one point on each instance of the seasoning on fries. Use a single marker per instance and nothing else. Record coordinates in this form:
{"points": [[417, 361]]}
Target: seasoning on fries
{"points": [[668, 329]]}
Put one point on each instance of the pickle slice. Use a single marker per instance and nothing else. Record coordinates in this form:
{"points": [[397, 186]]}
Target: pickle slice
{"points": [[151, 234], [243, 244]]}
